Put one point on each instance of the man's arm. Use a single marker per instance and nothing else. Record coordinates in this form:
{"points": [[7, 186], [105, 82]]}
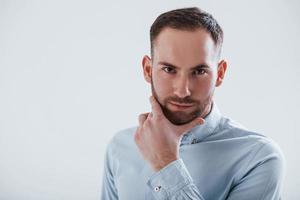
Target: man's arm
{"points": [[158, 141], [109, 191]]}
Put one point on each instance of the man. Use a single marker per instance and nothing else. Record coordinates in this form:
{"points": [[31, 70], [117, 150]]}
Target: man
{"points": [[184, 148]]}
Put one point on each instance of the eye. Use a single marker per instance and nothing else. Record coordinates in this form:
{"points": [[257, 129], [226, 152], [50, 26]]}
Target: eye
{"points": [[169, 70], [199, 72]]}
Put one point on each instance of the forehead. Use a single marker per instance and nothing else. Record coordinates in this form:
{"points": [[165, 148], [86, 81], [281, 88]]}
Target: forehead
{"points": [[184, 48]]}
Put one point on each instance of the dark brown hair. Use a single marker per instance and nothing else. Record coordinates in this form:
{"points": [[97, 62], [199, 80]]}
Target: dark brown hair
{"points": [[187, 19]]}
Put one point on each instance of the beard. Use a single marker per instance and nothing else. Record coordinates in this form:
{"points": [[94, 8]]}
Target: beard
{"points": [[181, 117]]}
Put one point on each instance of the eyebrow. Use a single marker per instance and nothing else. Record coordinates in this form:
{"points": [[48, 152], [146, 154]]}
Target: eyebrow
{"points": [[174, 66]]}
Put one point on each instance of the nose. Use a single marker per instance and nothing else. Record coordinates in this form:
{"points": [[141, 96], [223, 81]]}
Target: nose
{"points": [[181, 87]]}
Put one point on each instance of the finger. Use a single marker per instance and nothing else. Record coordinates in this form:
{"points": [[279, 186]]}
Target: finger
{"points": [[156, 109], [137, 135], [192, 124], [142, 118], [150, 115]]}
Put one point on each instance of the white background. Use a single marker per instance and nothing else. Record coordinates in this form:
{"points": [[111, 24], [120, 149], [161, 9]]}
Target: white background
{"points": [[71, 76]]}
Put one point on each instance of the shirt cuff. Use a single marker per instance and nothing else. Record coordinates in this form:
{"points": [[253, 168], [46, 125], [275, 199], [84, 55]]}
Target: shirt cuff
{"points": [[169, 180]]}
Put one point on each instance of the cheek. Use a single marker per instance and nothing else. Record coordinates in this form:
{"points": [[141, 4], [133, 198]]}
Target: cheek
{"points": [[204, 87], [162, 86]]}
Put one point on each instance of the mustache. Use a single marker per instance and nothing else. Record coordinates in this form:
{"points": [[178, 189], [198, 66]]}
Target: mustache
{"points": [[186, 100]]}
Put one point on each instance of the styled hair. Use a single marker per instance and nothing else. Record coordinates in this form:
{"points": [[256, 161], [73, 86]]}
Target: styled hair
{"points": [[188, 19]]}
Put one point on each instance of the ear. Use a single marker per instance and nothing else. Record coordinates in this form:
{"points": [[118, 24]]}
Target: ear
{"points": [[147, 68], [222, 66]]}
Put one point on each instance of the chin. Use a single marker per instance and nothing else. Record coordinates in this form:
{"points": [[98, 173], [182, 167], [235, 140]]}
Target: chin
{"points": [[180, 118]]}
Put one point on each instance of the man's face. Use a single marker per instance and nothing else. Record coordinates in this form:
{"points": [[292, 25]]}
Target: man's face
{"points": [[183, 73]]}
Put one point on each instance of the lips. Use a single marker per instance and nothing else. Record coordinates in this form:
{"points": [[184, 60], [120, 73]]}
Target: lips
{"points": [[180, 106]]}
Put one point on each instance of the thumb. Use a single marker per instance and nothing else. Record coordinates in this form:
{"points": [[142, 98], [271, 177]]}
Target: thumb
{"points": [[192, 124]]}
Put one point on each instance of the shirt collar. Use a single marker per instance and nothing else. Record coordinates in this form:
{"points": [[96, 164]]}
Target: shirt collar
{"points": [[199, 132]]}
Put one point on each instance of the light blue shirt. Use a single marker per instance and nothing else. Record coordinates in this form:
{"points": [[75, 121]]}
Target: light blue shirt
{"points": [[218, 160]]}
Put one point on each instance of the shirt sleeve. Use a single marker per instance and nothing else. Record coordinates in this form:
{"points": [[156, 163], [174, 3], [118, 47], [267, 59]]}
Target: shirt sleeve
{"points": [[262, 179], [109, 190], [173, 182]]}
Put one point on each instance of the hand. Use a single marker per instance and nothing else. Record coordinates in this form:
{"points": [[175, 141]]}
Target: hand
{"points": [[158, 139]]}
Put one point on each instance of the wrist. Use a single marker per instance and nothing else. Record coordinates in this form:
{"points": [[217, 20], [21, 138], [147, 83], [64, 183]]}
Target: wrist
{"points": [[157, 166]]}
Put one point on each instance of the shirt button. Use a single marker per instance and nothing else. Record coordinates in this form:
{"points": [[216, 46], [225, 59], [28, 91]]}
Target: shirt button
{"points": [[157, 188]]}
